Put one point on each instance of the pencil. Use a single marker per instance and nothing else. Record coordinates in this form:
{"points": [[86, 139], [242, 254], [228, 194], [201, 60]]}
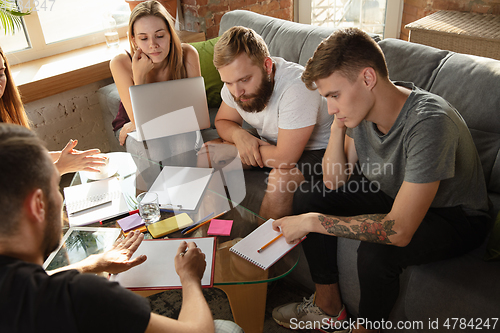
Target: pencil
{"points": [[197, 223], [202, 224], [272, 241]]}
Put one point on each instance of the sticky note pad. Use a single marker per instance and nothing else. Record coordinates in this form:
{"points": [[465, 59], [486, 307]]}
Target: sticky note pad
{"points": [[131, 222], [220, 227], [169, 225], [141, 229]]}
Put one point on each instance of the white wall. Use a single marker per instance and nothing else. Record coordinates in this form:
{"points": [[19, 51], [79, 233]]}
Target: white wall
{"points": [[74, 114]]}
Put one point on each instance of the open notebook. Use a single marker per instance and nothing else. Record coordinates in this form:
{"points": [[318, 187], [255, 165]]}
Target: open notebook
{"points": [[94, 201], [181, 188], [158, 271], [247, 247]]}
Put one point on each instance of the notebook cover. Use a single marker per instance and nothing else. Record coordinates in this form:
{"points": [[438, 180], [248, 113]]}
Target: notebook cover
{"points": [[248, 246]]}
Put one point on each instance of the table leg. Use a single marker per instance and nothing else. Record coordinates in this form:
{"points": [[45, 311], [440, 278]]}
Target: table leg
{"points": [[248, 304]]}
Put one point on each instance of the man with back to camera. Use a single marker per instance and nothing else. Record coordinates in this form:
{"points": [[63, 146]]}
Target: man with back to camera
{"points": [[407, 204], [291, 121], [67, 301]]}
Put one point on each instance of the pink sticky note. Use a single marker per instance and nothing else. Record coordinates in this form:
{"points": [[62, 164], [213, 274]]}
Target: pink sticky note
{"points": [[220, 227], [131, 222]]}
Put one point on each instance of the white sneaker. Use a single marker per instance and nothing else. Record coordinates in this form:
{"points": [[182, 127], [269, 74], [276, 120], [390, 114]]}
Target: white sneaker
{"points": [[307, 315]]}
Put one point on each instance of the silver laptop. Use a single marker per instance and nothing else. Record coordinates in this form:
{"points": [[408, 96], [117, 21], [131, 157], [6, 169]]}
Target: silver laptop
{"points": [[170, 107]]}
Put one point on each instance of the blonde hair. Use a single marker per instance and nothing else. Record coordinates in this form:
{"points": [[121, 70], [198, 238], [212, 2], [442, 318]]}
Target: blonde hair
{"points": [[175, 65], [11, 106], [346, 51], [237, 40]]}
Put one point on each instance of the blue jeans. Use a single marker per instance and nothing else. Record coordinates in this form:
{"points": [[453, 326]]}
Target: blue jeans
{"points": [[444, 233]]}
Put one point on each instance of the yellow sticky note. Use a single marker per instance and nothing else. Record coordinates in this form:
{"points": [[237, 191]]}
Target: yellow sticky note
{"points": [[167, 226]]}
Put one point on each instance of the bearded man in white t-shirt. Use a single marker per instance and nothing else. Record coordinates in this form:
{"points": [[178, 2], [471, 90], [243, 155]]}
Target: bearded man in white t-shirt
{"points": [[291, 121]]}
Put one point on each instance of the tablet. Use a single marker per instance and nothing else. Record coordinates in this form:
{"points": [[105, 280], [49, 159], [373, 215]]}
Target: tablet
{"points": [[80, 242]]}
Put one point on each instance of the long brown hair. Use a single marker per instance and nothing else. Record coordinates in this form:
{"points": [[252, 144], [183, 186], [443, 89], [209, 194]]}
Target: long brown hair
{"points": [[175, 60], [11, 105]]}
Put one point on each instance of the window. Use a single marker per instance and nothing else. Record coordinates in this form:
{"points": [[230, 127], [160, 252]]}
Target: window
{"points": [[381, 17], [57, 26]]}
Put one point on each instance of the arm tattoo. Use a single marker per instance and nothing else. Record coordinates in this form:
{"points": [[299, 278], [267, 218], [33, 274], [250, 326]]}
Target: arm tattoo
{"points": [[369, 227]]}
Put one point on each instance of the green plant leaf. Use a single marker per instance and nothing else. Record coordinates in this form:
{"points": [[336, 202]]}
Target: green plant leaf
{"points": [[10, 17]]}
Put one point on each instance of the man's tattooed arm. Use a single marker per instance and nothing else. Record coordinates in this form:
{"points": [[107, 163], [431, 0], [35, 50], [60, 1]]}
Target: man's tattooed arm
{"points": [[370, 227]]}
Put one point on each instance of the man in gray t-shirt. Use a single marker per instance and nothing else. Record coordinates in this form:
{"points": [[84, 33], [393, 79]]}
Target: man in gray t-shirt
{"points": [[401, 174], [291, 121]]}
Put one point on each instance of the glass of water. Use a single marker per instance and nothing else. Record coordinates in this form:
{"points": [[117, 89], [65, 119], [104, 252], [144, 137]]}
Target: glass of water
{"points": [[149, 208]]}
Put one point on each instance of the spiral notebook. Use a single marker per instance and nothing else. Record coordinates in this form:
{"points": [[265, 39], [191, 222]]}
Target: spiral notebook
{"points": [[95, 201], [248, 246]]}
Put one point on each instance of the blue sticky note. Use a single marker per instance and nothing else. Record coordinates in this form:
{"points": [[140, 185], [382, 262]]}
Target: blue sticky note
{"points": [[131, 222]]}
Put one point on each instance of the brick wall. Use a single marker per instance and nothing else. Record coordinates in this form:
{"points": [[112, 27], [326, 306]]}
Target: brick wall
{"points": [[74, 114], [205, 15], [416, 9]]}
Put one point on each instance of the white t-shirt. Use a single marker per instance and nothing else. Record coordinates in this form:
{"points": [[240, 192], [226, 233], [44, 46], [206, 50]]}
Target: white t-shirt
{"points": [[291, 106]]}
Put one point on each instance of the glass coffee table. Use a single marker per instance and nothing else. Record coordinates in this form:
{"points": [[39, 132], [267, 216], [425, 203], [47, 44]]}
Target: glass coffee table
{"points": [[244, 283]]}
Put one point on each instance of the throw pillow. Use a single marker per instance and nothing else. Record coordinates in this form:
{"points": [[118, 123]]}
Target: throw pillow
{"points": [[493, 247], [211, 77]]}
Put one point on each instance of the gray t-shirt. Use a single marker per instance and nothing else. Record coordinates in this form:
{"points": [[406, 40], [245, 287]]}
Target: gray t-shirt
{"points": [[291, 106], [429, 141]]}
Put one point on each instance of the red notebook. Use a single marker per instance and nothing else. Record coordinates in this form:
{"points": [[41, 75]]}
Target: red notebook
{"points": [[158, 271]]}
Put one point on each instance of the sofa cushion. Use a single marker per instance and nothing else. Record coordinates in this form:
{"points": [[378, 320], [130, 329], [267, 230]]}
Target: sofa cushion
{"points": [[288, 40], [487, 145], [478, 103], [493, 247], [211, 77], [109, 100], [462, 287], [413, 62]]}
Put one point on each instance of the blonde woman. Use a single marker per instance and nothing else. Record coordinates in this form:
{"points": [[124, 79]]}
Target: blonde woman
{"points": [[156, 54]]}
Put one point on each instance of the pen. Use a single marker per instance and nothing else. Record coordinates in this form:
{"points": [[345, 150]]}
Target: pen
{"points": [[114, 218], [200, 221], [272, 241], [202, 224]]}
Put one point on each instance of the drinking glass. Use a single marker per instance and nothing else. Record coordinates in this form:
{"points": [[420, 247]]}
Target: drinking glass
{"points": [[149, 208]]}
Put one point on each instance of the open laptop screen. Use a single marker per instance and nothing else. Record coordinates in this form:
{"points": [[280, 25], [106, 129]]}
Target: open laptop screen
{"points": [[170, 107]]}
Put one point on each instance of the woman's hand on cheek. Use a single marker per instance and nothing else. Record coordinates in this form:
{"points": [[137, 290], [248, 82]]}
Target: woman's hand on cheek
{"points": [[141, 66]]}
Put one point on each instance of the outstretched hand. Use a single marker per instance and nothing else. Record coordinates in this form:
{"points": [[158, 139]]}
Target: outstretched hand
{"points": [[71, 160], [115, 260]]}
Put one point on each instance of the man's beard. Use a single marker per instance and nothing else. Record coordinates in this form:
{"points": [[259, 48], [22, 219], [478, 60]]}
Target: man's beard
{"points": [[52, 232], [258, 101]]}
